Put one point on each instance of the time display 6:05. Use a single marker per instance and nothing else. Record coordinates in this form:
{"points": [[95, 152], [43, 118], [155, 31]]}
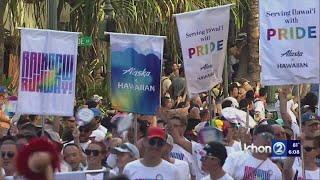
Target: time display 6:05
{"points": [[294, 152]]}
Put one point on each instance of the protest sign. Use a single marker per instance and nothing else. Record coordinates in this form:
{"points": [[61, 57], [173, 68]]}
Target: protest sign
{"points": [[136, 71], [203, 37], [47, 72], [289, 42]]}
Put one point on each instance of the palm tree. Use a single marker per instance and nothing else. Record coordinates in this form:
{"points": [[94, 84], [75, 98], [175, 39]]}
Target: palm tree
{"points": [[3, 5], [253, 41]]}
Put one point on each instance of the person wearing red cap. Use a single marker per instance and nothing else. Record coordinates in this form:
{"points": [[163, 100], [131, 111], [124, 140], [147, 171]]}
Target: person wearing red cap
{"points": [[151, 166]]}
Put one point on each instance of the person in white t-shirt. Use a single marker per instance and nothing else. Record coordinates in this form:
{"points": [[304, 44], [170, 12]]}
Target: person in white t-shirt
{"points": [[152, 166], [254, 165], [182, 166], [213, 160], [292, 166], [259, 105], [126, 153], [229, 133]]}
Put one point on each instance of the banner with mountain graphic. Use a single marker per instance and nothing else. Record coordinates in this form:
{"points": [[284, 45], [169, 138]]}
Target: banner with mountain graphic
{"points": [[136, 62], [48, 62], [289, 42]]}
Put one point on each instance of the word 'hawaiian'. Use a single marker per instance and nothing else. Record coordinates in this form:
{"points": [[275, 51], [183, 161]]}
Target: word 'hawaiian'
{"points": [[136, 87]]}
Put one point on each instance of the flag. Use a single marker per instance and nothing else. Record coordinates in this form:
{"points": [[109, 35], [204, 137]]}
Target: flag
{"points": [[136, 62], [47, 72], [289, 42], [203, 37]]}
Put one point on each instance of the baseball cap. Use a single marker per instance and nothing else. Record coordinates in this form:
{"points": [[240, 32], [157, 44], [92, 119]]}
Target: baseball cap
{"points": [[96, 112], [156, 132], [97, 98], [310, 118], [3, 89], [127, 148], [216, 149]]}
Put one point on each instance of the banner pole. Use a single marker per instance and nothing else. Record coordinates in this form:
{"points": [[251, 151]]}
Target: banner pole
{"points": [[135, 128], [300, 125], [42, 123], [210, 104]]}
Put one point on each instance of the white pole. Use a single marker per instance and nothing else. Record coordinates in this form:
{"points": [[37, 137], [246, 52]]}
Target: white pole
{"points": [[300, 125]]}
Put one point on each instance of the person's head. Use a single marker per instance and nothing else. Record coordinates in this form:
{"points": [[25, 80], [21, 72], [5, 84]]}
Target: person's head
{"points": [[194, 113], [154, 143], [263, 93], [70, 122], [85, 132], [229, 102], [91, 103], [204, 115], [196, 100], [311, 148], [242, 93], [72, 155], [289, 132], [167, 71], [229, 130], [97, 117], [167, 147], [263, 136], [233, 90], [244, 104], [177, 122], [310, 124], [96, 154], [22, 121], [175, 69], [279, 132], [214, 158], [126, 153], [311, 101], [166, 102], [161, 123], [23, 139], [9, 150]]}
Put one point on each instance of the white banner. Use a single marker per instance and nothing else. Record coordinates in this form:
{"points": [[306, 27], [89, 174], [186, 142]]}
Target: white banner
{"points": [[289, 41], [47, 72], [203, 37]]}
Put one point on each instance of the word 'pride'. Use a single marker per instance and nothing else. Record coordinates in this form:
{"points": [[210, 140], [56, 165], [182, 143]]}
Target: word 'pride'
{"points": [[292, 33], [47, 72], [205, 49]]}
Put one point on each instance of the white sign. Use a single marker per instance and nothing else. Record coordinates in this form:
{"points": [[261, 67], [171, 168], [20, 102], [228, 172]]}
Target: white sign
{"points": [[47, 72], [203, 37], [289, 41]]}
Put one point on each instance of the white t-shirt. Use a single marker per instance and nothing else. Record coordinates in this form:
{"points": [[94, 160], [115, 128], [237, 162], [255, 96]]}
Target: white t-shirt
{"points": [[178, 152], [310, 175], [225, 177], [236, 146], [136, 170], [242, 165], [182, 167], [96, 176], [259, 107], [197, 153]]}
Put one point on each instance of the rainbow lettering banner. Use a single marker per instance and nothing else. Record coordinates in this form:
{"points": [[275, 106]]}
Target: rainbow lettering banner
{"points": [[136, 62], [203, 37], [289, 41], [47, 72]]}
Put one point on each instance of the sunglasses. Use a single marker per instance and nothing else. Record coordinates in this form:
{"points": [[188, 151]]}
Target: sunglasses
{"points": [[308, 149], [156, 141], [8, 154], [93, 152]]}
